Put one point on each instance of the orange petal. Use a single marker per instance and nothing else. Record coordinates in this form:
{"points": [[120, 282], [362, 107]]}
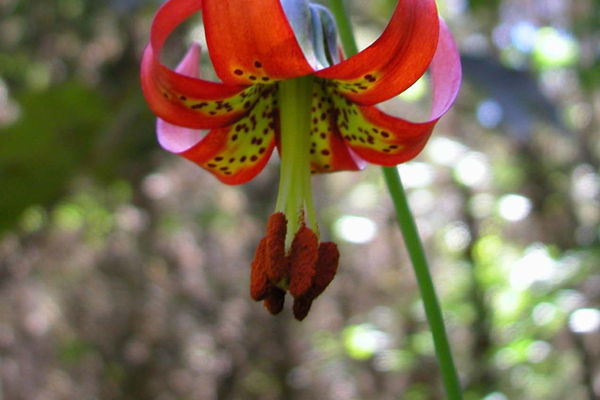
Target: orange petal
{"points": [[179, 97], [252, 41], [394, 61], [385, 140]]}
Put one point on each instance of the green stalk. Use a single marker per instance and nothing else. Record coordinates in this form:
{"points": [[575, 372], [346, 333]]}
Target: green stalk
{"points": [[411, 238]]}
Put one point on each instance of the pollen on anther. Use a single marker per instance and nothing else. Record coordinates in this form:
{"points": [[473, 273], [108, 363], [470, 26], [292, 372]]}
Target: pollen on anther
{"points": [[259, 283], [303, 258], [326, 267], [276, 232]]}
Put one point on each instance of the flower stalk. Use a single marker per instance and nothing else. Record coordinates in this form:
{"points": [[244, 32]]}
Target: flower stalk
{"points": [[411, 237]]}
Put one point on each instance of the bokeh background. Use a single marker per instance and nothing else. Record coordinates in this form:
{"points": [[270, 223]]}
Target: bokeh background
{"points": [[124, 270]]}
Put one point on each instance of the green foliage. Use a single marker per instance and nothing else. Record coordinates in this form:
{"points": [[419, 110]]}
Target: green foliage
{"points": [[48, 146]]}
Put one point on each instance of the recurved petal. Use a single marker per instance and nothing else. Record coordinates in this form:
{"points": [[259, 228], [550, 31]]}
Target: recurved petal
{"points": [[328, 152], [235, 153], [394, 61], [252, 41], [180, 97], [385, 140]]}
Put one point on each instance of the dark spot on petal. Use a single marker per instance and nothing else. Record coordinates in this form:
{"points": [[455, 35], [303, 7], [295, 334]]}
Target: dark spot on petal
{"points": [[257, 64], [325, 152], [238, 72]]}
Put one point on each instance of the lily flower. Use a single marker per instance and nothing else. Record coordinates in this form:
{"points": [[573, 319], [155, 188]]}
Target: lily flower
{"points": [[286, 85]]}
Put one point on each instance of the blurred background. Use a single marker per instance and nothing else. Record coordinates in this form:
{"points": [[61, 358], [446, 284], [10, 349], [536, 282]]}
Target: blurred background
{"points": [[124, 270]]}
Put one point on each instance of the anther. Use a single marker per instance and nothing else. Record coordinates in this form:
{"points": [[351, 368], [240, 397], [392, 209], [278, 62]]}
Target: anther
{"points": [[259, 282], [303, 259], [275, 300], [326, 268], [275, 247], [301, 308]]}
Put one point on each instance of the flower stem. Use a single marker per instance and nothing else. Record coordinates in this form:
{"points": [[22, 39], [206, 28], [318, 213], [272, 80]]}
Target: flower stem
{"points": [[411, 238], [430, 301]]}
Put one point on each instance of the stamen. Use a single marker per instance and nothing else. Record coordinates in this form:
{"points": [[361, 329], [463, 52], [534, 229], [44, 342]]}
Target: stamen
{"points": [[275, 247], [301, 308], [303, 258], [259, 282], [326, 268], [275, 300]]}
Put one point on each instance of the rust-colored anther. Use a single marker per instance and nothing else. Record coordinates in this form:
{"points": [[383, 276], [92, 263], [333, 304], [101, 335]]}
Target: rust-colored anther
{"points": [[259, 282], [275, 300], [303, 258], [301, 308], [326, 268], [277, 263]]}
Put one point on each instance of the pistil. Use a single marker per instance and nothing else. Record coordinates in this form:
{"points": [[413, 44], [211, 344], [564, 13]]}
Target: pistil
{"points": [[295, 193]]}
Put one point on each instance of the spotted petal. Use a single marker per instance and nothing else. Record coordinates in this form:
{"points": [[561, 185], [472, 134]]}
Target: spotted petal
{"points": [[385, 140], [394, 61], [328, 152], [252, 41], [238, 152], [181, 98]]}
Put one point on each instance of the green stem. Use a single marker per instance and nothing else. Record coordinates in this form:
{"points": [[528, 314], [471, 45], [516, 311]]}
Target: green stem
{"points": [[411, 238], [430, 301]]}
